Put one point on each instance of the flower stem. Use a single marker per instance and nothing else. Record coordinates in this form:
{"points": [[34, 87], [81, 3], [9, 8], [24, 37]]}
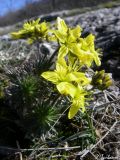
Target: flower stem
{"points": [[91, 127]]}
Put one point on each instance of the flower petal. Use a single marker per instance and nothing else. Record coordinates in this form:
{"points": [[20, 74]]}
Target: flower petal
{"points": [[67, 88], [61, 25], [76, 32], [62, 52], [76, 105], [78, 77], [51, 76], [61, 37]]}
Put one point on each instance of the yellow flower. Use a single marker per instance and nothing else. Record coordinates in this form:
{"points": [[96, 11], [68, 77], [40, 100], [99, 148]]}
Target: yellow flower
{"points": [[87, 51], [66, 37], [64, 73], [77, 103], [70, 42], [32, 31], [70, 83], [77, 94]]}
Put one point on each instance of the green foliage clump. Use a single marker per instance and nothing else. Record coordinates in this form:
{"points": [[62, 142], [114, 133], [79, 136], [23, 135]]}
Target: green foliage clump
{"points": [[29, 87], [41, 118]]}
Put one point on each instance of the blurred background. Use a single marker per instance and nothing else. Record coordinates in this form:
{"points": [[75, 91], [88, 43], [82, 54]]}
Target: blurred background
{"points": [[12, 11]]}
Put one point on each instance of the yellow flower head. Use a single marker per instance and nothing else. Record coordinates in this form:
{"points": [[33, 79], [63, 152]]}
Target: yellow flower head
{"points": [[71, 42], [64, 73], [70, 83], [32, 31]]}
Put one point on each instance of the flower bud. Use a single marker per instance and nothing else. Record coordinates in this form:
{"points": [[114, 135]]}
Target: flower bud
{"points": [[101, 80]]}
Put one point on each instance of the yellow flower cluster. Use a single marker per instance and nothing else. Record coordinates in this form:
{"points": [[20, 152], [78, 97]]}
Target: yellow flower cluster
{"points": [[69, 82], [71, 43], [74, 54], [33, 31]]}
